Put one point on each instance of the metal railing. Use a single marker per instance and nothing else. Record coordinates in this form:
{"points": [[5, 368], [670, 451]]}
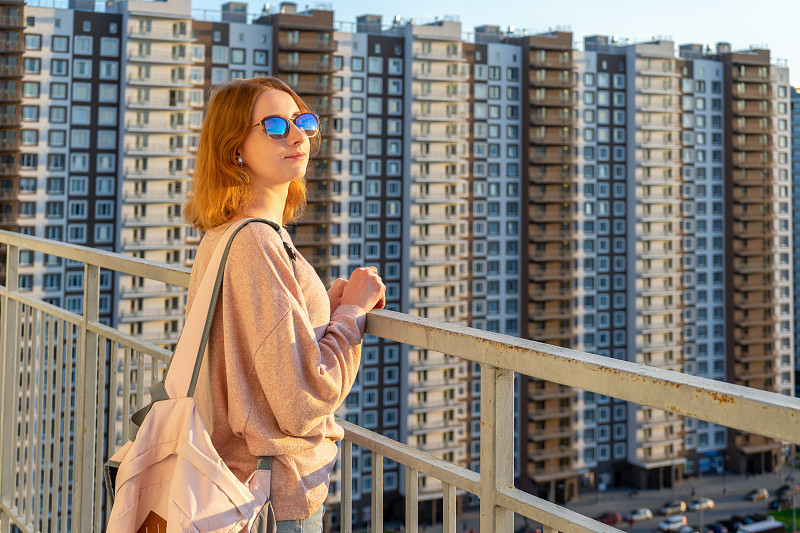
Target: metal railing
{"points": [[68, 380]]}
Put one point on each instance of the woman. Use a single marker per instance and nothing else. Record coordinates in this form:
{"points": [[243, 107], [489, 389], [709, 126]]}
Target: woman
{"points": [[283, 354]]}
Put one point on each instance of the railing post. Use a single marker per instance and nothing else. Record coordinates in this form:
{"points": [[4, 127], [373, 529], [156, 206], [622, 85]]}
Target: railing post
{"points": [[376, 498], [83, 492], [412, 500], [448, 508], [9, 338], [346, 518], [497, 446]]}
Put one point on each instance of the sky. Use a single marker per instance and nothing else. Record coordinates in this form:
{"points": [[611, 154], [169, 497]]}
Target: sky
{"points": [[771, 23]]}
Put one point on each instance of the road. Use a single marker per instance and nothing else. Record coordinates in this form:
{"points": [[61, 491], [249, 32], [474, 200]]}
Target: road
{"points": [[730, 503], [711, 486]]}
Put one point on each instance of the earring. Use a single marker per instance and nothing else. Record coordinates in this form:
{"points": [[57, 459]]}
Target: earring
{"points": [[241, 163]]}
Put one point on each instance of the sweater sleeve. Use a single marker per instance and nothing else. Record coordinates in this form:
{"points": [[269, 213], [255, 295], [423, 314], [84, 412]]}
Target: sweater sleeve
{"points": [[304, 374], [305, 381]]}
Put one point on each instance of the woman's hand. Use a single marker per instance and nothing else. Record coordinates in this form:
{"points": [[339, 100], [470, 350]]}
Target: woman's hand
{"points": [[335, 293], [365, 289]]}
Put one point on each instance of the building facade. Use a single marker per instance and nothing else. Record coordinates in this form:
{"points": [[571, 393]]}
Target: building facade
{"points": [[626, 199]]}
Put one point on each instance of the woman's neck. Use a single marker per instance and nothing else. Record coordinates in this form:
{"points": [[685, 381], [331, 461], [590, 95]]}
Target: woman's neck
{"points": [[268, 203]]}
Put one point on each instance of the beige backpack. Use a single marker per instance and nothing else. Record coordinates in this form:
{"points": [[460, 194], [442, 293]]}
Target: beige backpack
{"points": [[168, 477]]}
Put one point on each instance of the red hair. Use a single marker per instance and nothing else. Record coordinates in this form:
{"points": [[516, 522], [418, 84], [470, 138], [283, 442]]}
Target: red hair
{"points": [[220, 188]]}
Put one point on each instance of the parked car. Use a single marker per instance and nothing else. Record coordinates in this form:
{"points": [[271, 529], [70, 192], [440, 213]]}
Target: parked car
{"points": [[639, 514], [716, 527], [672, 523], [779, 504], [688, 529], [670, 508], [757, 494], [784, 490], [609, 517], [701, 504]]}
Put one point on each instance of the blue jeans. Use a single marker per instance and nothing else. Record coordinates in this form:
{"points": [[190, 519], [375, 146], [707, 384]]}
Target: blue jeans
{"points": [[312, 524]]}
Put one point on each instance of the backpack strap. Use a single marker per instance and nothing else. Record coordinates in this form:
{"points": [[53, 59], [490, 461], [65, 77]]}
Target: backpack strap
{"points": [[197, 328]]}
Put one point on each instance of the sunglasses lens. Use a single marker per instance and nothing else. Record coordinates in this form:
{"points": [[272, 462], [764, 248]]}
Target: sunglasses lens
{"points": [[275, 127], [307, 123]]}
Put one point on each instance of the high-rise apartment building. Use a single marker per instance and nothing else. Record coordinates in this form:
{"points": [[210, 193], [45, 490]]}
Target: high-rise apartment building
{"points": [[794, 94], [549, 464], [626, 199], [759, 282], [11, 50]]}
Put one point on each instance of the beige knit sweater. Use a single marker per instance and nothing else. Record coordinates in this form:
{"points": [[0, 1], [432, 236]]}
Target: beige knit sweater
{"points": [[277, 367]]}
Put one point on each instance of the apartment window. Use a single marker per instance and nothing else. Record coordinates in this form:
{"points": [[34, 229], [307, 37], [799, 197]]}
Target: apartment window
{"points": [[107, 93], [375, 65], [76, 233], [30, 89], [29, 161], [78, 138], [56, 162], [82, 68], [219, 54], [106, 162], [79, 162], [260, 57], [32, 65], [30, 113], [237, 56], [83, 44], [60, 43], [59, 67], [107, 116], [106, 139], [395, 86], [109, 70], [27, 209], [105, 186], [33, 42], [81, 92], [109, 46], [81, 115], [29, 137]]}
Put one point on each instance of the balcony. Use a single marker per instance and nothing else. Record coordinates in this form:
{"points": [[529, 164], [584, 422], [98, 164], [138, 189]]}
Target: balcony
{"points": [[306, 44], [160, 57], [31, 430], [159, 34]]}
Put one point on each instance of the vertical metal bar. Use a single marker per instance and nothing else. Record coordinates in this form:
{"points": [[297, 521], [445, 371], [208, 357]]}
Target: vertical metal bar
{"points": [[153, 371], [139, 381], [448, 508], [113, 399], [376, 498], [497, 446], [347, 488], [69, 418], [103, 431], [412, 500], [83, 491], [126, 393], [49, 414], [29, 419], [41, 436]]}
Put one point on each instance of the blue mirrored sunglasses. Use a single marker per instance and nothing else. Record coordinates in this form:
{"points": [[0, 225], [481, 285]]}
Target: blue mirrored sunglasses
{"points": [[277, 128]]}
